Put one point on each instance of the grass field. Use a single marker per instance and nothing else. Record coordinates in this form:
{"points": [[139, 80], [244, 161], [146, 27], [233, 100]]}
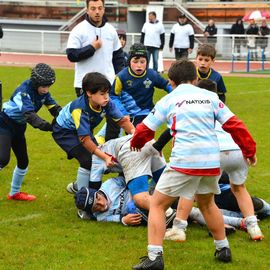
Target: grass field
{"points": [[46, 233]]}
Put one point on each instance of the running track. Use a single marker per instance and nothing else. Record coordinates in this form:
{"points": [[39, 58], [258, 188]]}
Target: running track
{"points": [[61, 61]]}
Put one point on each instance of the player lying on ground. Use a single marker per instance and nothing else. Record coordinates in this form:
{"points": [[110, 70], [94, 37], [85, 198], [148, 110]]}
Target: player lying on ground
{"points": [[112, 203]]}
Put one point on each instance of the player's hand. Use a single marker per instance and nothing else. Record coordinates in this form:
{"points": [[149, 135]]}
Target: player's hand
{"points": [[97, 44], [252, 161], [132, 219], [110, 161]]}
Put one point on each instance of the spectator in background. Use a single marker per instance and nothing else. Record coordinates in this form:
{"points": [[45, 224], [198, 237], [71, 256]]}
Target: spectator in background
{"points": [[153, 37], [94, 46], [210, 32], [238, 29], [252, 30], [123, 40], [182, 38], [263, 41], [1, 32]]}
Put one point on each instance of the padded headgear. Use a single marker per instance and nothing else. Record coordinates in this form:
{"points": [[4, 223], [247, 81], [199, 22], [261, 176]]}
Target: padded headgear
{"points": [[137, 50], [42, 75], [85, 199]]}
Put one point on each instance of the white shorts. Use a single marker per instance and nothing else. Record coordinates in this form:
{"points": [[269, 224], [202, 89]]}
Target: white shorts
{"points": [[233, 163], [136, 164], [175, 184]]}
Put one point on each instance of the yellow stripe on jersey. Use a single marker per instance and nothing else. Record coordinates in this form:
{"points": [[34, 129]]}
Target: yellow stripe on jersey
{"points": [[118, 86], [50, 106], [76, 115]]}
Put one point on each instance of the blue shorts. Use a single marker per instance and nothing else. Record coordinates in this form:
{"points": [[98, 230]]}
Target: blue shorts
{"points": [[65, 138], [138, 185]]}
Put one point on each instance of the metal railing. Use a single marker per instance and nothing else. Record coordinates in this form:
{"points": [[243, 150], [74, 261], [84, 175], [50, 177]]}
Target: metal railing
{"points": [[54, 42]]}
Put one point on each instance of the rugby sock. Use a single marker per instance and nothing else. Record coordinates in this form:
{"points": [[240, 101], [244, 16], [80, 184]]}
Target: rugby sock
{"points": [[17, 179], [233, 221], [221, 243], [251, 220], [180, 224], [83, 177], [196, 215], [154, 251]]}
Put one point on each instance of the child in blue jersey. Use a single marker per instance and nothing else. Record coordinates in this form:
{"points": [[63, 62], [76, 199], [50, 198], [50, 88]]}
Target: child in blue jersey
{"points": [[190, 112], [73, 130], [19, 110], [136, 166], [133, 89], [112, 202], [205, 58]]}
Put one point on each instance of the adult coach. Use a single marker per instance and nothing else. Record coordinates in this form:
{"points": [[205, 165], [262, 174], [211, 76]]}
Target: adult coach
{"points": [[94, 46], [182, 38], [153, 37]]}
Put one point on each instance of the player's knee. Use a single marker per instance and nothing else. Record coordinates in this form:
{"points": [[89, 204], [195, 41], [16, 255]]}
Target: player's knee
{"points": [[4, 162]]}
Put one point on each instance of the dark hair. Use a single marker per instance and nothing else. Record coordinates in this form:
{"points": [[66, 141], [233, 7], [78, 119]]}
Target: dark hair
{"points": [[94, 82], [208, 85], [206, 50], [182, 71], [152, 13], [87, 2], [181, 15], [122, 34]]}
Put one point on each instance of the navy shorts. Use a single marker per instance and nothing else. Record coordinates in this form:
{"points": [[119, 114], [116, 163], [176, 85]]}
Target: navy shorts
{"points": [[67, 139], [11, 128]]}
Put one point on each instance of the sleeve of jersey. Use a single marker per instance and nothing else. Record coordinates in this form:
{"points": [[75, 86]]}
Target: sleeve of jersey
{"points": [[75, 52], [142, 135], [24, 103], [221, 86], [81, 122], [241, 136], [113, 111], [115, 95], [163, 84]]}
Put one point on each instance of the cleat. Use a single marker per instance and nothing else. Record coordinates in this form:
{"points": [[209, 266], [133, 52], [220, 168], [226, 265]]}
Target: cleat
{"points": [[21, 196], [175, 234], [170, 215], [223, 255], [83, 215], [147, 264], [72, 188], [255, 232]]}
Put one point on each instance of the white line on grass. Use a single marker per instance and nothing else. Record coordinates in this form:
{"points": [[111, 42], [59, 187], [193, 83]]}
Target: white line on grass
{"points": [[28, 217], [250, 92]]}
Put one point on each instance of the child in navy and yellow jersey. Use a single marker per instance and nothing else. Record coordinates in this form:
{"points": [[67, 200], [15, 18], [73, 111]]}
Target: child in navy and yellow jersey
{"points": [[205, 58], [73, 130], [133, 89], [19, 110]]}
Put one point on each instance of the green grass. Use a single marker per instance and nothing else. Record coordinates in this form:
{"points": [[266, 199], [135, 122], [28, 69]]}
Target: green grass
{"points": [[46, 234]]}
